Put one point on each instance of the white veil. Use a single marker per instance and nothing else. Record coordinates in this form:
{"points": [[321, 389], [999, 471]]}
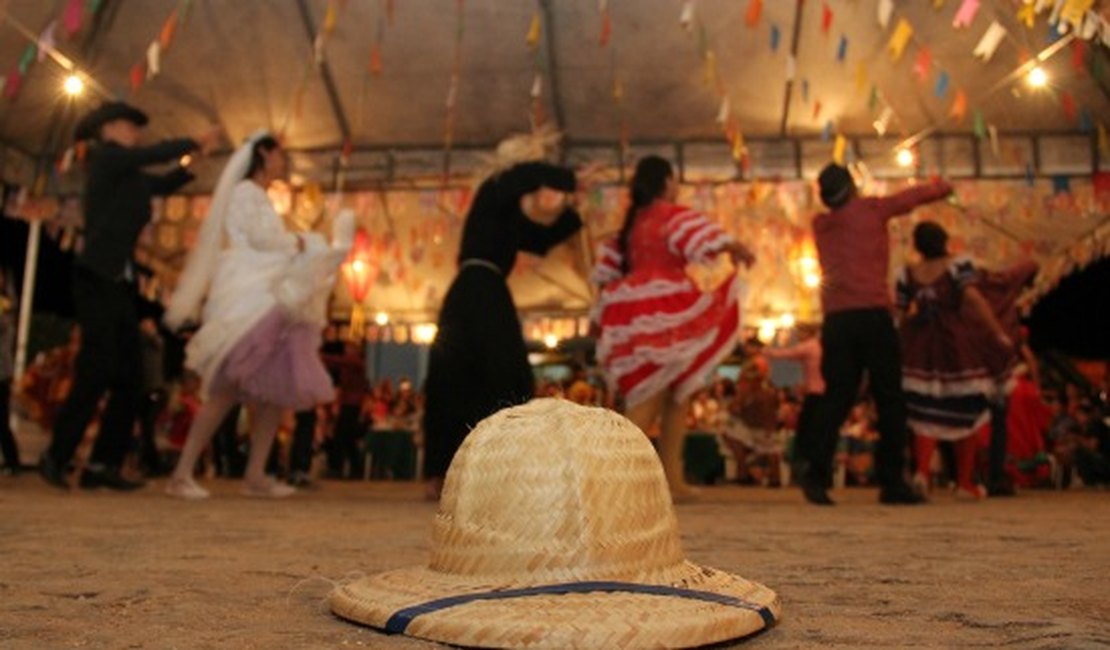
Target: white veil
{"points": [[195, 278]]}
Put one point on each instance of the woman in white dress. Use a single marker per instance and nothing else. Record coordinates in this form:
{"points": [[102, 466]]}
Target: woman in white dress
{"points": [[264, 293]]}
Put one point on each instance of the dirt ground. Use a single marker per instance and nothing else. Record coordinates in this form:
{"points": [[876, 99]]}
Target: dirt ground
{"points": [[102, 570]]}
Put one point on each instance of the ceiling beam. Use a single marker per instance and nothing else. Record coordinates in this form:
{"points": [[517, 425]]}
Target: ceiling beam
{"points": [[325, 73], [795, 39], [552, 65]]}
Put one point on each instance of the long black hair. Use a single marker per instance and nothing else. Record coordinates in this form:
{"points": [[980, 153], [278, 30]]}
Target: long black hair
{"points": [[265, 144], [648, 184]]}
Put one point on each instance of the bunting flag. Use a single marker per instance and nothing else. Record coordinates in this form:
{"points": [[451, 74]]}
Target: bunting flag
{"points": [[965, 15], [842, 49], [606, 27], [775, 37], [886, 9], [165, 37], [861, 76], [138, 74], [330, 18], [533, 38], [791, 67], [27, 59], [1074, 11], [755, 10], [941, 87], [1068, 104], [883, 123], [959, 106], [990, 41], [923, 63], [153, 60], [686, 18], [618, 89], [817, 110], [898, 40], [826, 133], [826, 18], [13, 83], [710, 76], [992, 131], [537, 86], [979, 125], [839, 149], [1078, 55], [1027, 15], [72, 17], [1086, 124], [723, 112], [46, 40]]}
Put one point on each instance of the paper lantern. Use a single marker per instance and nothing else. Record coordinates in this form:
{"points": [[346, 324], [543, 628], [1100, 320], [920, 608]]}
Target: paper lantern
{"points": [[358, 274]]}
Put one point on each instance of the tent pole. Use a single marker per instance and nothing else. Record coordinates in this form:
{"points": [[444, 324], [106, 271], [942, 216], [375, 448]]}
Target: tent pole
{"points": [[27, 296]]}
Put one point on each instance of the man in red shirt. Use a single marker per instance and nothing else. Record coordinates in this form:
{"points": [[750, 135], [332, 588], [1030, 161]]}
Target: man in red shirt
{"points": [[858, 332]]}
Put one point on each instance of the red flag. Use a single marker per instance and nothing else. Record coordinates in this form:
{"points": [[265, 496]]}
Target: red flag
{"points": [[138, 74], [71, 17], [816, 109], [375, 59], [606, 28], [1078, 55], [1068, 102], [13, 84], [165, 37], [826, 18], [755, 10], [923, 63]]}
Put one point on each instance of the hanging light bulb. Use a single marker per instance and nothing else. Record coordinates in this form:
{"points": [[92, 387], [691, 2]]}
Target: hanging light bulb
{"points": [[73, 85], [551, 341], [1037, 77], [381, 318], [904, 157]]}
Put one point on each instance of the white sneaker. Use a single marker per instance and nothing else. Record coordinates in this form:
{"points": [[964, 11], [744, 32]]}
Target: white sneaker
{"points": [[268, 489], [186, 488]]}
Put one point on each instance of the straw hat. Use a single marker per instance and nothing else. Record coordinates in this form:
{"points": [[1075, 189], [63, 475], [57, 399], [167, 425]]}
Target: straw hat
{"points": [[556, 530]]}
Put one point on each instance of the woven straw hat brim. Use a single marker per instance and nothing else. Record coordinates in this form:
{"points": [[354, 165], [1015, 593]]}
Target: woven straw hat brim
{"points": [[598, 619]]}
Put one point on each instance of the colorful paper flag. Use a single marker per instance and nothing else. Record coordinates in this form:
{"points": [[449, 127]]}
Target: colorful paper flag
{"points": [[606, 28], [1078, 55], [839, 148], [375, 58], [168, 29], [755, 9], [923, 62], [992, 130], [826, 18], [941, 87], [686, 18], [1027, 15], [330, 18], [775, 37], [153, 59], [533, 38], [723, 111], [898, 40], [71, 17], [842, 49], [46, 40], [27, 58], [138, 74], [990, 41], [861, 76], [817, 110], [1073, 11], [13, 83], [965, 15], [1068, 104], [886, 8], [980, 124], [959, 106]]}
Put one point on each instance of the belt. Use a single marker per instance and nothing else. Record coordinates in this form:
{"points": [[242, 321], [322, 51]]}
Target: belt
{"points": [[479, 262]]}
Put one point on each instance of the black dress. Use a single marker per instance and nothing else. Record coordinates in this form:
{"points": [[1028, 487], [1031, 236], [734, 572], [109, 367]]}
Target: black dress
{"points": [[478, 363]]}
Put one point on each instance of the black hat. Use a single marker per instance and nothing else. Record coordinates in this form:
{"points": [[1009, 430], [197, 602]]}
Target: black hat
{"points": [[89, 126], [836, 185]]}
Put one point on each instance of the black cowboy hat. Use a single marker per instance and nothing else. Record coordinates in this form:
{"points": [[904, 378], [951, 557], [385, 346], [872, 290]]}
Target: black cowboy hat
{"points": [[89, 126]]}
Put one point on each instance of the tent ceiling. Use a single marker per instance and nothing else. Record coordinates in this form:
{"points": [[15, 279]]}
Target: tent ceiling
{"points": [[241, 63]]}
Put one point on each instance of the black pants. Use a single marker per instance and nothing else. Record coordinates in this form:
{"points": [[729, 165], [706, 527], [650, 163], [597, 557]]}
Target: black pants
{"points": [[109, 360], [300, 455], [346, 459], [999, 439], [7, 438], [805, 435], [154, 402], [854, 341], [227, 452]]}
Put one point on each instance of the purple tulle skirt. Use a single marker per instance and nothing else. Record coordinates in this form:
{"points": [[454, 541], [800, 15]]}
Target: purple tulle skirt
{"points": [[276, 362]]}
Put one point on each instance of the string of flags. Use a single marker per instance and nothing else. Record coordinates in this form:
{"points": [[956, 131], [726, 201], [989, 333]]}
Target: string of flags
{"points": [[151, 65], [451, 102], [72, 19], [535, 35]]}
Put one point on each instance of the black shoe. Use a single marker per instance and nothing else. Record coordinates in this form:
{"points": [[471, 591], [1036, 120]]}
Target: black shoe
{"points": [[51, 473], [92, 479], [814, 491], [900, 495], [1001, 489]]}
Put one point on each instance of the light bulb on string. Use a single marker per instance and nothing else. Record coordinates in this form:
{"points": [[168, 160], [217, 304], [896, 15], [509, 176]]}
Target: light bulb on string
{"points": [[73, 85], [1037, 77], [904, 157]]}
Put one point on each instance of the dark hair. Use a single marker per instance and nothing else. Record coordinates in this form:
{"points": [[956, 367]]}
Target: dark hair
{"points": [[648, 183], [837, 186], [265, 144], [931, 240]]}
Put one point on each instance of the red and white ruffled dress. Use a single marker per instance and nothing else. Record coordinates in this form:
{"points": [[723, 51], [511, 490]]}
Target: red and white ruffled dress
{"points": [[658, 329]]}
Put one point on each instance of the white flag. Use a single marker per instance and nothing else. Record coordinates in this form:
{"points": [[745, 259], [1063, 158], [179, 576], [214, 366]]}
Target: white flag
{"points": [[153, 59], [990, 41], [886, 8]]}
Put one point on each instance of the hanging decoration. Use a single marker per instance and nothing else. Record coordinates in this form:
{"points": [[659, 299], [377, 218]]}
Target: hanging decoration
{"points": [[1074, 11], [72, 17], [922, 63], [842, 49], [1027, 15], [686, 18], [606, 24], [358, 273], [979, 125], [839, 149], [965, 15], [903, 31], [1067, 102], [153, 60], [959, 106], [861, 76], [886, 9], [46, 40], [1079, 55], [775, 37], [826, 18], [534, 29], [990, 41], [941, 87], [755, 9]]}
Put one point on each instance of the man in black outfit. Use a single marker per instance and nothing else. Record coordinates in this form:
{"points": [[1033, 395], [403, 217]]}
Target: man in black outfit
{"points": [[117, 207]]}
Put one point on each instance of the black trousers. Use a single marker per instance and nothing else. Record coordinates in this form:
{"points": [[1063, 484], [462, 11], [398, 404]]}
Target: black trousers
{"points": [[7, 438], [109, 361], [300, 455], [805, 435], [855, 341], [154, 402], [347, 459]]}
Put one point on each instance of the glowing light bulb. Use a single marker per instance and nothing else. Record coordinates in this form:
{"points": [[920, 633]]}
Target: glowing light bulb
{"points": [[424, 333], [551, 341], [381, 318], [786, 321], [1037, 77], [904, 157], [811, 280], [73, 85]]}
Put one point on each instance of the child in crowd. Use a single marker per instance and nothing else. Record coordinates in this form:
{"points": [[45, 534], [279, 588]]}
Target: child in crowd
{"points": [[753, 427]]}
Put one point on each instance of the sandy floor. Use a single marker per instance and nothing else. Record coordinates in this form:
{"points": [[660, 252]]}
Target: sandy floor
{"points": [[142, 571]]}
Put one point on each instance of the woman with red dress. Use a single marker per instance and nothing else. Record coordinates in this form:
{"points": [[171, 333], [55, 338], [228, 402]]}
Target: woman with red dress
{"points": [[954, 362], [660, 335]]}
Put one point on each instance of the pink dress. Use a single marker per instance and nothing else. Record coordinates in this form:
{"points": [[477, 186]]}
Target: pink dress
{"points": [[658, 329]]}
